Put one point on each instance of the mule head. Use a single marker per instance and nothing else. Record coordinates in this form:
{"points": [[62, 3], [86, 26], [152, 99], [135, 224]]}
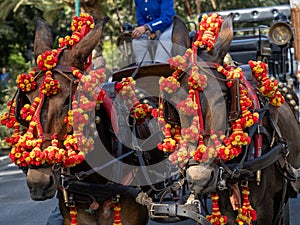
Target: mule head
{"points": [[203, 177], [43, 182]]}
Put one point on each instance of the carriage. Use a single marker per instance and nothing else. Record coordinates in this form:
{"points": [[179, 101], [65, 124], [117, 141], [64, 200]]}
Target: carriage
{"points": [[270, 39], [203, 130]]}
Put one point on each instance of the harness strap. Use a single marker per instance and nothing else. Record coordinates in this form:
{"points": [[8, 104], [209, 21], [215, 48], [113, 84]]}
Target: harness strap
{"points": [[275, 126], [266, 160], [110, 91], [138, 152], [164, 211], [279, 215], [253, 129], [84, 174], [49, 137], [154, 138], [289, 174], [204, 64], [62, 69], [263, 130], [101, 191]]}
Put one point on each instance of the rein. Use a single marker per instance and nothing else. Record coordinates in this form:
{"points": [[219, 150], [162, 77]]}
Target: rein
{"points": [[125, 136]]}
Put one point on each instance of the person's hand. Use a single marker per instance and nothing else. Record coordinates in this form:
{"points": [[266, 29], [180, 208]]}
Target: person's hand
{"points": [[138, 31], [151, 36]]}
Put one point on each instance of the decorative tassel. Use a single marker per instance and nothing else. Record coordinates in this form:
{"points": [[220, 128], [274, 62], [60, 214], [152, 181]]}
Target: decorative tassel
{"points": [[73, 214], [117, 214], [216, 217], [246, 214]]}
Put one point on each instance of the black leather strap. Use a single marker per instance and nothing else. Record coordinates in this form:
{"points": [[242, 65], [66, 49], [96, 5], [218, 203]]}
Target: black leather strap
{"points": [[265, 160], [164, 211], [104, 191]]}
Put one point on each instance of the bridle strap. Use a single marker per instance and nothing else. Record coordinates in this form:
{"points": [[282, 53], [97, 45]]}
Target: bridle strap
{"points": [[62, 70], [48, 137], [204, 64]]}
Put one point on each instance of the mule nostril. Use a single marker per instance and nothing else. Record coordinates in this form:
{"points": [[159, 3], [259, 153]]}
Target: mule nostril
{"points": [[51, 181]]}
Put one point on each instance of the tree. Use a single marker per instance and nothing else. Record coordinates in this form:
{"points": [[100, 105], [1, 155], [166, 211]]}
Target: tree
{"points": [[17, 20]]}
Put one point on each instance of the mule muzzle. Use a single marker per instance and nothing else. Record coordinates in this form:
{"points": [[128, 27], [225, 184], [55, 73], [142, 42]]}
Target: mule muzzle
{"points": [[202, 178], [42, 183]]}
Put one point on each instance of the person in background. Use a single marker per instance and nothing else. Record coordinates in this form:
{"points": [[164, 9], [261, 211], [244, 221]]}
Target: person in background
{"points": [[55, 217], [4, 77], [154, 19]]}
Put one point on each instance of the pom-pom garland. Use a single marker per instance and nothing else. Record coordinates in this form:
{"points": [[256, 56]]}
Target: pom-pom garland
{"points": [[117, 214], [138, 111], [8, 119], [73, 215], [79, 22], [208, 30], [216, 217], [126, 90], [188, 106], [50, 86], [48, 59], [189, 141], [246, 214], [26, 82], [53, 153], [26, 144], [171, 138], [169, 85], [28, 111], [268, 87], [80, 26], [225, 148], [196, 80]]}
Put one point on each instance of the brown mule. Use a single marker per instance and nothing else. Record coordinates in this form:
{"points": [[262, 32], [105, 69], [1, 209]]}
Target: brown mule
{"points": [[279, 125], [93, 198]]}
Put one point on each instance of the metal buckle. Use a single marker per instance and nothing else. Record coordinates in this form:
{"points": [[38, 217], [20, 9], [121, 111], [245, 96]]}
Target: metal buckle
{"points": [[197, 203], [152, 211], [221, 182]]}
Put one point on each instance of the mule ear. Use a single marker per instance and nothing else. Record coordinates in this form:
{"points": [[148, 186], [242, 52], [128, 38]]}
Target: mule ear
{"points": [[83, 49], [43, 38], [224, 39], [180, 37]]}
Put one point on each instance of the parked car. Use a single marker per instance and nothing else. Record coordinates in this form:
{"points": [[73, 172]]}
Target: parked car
{"points": [[265, 34]]}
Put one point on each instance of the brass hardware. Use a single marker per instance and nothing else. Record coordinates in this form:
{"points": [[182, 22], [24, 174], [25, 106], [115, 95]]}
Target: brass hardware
{"points": [[98, 106], [97, 120], [258, 177]]}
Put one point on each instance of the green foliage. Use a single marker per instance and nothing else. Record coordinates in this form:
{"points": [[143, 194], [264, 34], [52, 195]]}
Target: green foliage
{"points": [[17, 35], [6, 94]]}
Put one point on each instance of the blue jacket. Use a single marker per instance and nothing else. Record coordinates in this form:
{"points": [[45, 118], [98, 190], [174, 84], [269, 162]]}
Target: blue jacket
{"points": [[157, 14]]}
